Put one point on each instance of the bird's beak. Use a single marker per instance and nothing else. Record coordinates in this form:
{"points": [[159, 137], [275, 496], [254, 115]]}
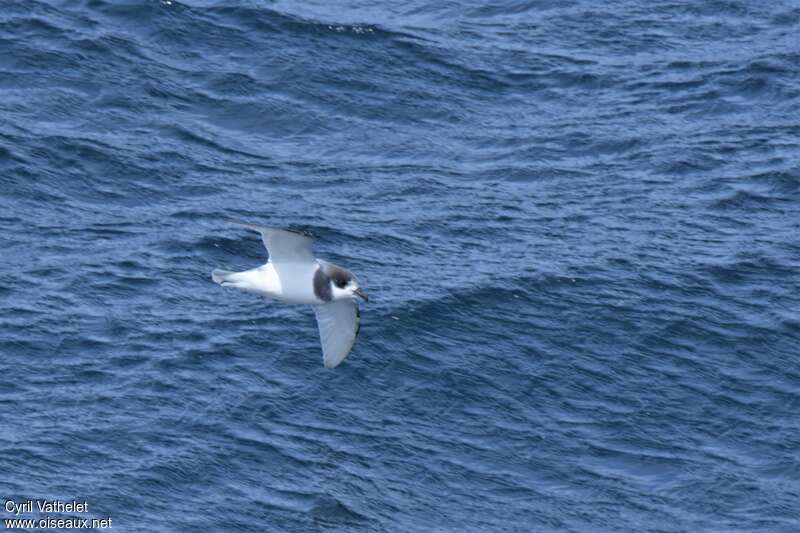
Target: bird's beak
{"points": [[361, 293]]}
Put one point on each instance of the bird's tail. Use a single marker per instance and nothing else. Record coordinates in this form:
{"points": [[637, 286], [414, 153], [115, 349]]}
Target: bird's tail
{"points": [[223, 277]]}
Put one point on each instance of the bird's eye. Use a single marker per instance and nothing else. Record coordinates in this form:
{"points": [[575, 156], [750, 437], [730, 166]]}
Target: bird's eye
{"points": [[341, 284]]}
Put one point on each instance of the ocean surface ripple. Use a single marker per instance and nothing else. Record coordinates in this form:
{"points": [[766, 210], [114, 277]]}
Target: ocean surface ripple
{"points": [[579, 223]]}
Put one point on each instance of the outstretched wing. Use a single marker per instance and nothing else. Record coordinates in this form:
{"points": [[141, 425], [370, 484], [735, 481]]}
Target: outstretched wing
{"points": [[338, 327], [283, 245]]}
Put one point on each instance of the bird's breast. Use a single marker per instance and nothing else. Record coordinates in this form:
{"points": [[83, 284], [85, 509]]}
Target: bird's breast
{"points": [[291, 282]]}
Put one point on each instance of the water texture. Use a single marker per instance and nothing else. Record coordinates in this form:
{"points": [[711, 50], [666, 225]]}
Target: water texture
{"points": [[578, 222]]}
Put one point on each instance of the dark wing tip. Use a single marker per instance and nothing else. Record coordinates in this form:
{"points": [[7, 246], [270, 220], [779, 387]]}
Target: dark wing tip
{"points": [[358, 322], [300, 231], [258, 227]]}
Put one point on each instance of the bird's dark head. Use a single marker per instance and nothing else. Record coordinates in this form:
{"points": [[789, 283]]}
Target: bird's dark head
{"points": [[343, 283]]}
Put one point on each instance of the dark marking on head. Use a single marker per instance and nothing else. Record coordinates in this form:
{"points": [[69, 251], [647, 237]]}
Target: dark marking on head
{"points": [[322, 285], [358, 321], [339, 276]]}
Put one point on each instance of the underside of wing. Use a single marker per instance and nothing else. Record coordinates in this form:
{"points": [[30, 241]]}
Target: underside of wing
{"points": [[338, 327], [283, 245]]}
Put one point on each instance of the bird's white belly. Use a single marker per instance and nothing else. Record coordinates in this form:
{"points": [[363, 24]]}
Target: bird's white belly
{"points": [[287, 282]]}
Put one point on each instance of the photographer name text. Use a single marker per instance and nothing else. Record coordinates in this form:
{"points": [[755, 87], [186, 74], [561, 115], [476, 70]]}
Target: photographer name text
{"points": [[46, 506]]}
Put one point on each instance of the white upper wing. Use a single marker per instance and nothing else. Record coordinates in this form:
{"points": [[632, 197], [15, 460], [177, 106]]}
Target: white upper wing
{"points": [[284, 246], [338, 323]]}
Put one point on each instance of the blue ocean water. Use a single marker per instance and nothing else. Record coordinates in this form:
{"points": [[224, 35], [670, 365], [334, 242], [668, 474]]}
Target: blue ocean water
{"points": [[578, 222]]}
